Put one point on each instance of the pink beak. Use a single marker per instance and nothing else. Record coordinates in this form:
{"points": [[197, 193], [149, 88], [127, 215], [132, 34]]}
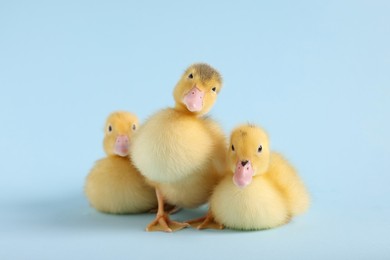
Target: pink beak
{"points": [[194, 100], [243, 174], [122, 146]]}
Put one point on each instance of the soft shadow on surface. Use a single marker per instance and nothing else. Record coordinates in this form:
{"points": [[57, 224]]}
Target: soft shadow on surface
{"points": [[72, 212]]}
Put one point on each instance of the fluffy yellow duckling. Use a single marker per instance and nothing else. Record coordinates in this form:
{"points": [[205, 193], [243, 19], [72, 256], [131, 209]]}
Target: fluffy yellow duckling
{"points": [[264, 190], [179, 151], [114, 185]]}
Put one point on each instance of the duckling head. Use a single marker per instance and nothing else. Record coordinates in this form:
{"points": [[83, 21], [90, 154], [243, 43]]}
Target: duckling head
{"points": [[249, 154], [197, 90], [119, 129]]}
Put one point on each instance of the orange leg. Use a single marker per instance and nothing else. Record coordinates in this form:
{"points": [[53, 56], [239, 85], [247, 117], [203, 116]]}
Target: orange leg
{"points": [[205, 222], [169, 209], [162, 221]]}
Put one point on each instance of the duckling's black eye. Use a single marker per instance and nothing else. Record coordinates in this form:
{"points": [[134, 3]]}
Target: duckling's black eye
{"points": [[109, 128], [214, 89], [134, 127], [233, 148], [190, 76], [260, 149]]}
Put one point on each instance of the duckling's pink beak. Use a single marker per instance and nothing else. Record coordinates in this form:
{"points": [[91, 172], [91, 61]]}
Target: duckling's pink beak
{"points": [[121, 147], [243, 174], [194, 100]]}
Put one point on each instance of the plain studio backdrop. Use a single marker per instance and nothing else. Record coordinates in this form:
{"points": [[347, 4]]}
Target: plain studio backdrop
{"points": [[314, 74]]}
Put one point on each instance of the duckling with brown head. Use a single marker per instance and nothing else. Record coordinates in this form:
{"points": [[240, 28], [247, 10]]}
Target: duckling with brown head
{"points": [[178, 150]]}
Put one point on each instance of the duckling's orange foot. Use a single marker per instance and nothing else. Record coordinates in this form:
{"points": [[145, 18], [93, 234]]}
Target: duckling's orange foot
{"points": [[163, 223], [205, 223]]}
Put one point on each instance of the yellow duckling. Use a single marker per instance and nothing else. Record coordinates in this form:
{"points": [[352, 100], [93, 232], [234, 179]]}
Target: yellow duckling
{"points": [[264, 190], [114, 185], [179, 151]]}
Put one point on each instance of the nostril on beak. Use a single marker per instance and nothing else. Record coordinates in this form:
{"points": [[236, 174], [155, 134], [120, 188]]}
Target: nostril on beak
{"points": [[243, 163]]}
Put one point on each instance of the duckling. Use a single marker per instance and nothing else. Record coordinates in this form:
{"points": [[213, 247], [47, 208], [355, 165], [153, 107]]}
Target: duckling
{"points": [[264, 190], [114, 185], [179, 150]]}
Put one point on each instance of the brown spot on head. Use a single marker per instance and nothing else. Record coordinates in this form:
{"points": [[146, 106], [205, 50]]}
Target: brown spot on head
{"points": [[243, 133], [205, 72]]}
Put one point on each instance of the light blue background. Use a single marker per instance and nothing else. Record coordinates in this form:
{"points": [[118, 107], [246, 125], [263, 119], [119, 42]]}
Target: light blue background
{"points": [[315, 74]]}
